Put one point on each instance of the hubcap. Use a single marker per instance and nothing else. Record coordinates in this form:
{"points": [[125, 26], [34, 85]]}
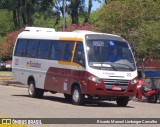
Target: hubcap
{"points": [[31, 89], [76, 95]]}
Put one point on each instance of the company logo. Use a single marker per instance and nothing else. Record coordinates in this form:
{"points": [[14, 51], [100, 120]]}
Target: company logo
{"points": [[33, 64], [6, 121], [117, 82]]}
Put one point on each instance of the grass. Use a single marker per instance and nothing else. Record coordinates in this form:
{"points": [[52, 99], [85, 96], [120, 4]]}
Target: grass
{"points": [[5, 73]]}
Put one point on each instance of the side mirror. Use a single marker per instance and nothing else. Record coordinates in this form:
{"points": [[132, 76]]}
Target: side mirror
{"points": [[138, 62]]}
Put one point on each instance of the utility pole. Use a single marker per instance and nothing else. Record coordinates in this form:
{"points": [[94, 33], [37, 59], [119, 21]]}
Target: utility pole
{"points": [[64, 14]]}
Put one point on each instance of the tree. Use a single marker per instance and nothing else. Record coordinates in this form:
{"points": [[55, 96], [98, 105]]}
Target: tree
{"points": [[6, 47], [23, 10], [6, 24], [138, 24], [85, 26], [74, 6]]}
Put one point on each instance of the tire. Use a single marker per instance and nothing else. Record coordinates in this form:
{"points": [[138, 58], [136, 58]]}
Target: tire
{"points": [[122, 101], [33, 91], [77, 97], [68, 97], [153, 98]]}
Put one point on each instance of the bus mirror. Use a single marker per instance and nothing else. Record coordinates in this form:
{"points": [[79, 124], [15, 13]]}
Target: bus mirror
{"points": [[138, 62]]}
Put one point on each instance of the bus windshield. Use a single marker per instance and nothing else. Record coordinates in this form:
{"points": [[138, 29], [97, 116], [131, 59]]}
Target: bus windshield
{"points": [[110, 55]]}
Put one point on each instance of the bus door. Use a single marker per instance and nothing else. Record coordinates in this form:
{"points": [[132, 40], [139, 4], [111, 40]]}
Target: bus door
{"points": [[73, 60], [66, 64], [78, 73]]}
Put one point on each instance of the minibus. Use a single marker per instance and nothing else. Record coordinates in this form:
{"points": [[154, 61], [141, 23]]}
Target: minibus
{"points": [[79, 64]]}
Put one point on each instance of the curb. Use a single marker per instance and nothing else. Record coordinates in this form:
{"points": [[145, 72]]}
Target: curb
{"points": [[5, 78], [12, 83]]}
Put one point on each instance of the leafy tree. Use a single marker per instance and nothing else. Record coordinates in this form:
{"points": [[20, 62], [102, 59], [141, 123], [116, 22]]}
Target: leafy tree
{"points": [[6, 24], [85, 26], [23, 10], [88, 12], [6, 47], [52, 22], [137, 21]]}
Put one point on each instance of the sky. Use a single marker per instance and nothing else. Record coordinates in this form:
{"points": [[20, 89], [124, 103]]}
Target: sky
{"points": [[95, 6]]}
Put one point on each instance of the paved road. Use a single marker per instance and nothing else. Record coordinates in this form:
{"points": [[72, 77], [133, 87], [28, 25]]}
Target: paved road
{"points": [[15, 103]]}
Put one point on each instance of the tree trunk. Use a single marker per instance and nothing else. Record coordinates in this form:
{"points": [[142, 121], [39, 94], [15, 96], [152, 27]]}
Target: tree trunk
{"points": [[74, 11], [18, 18], [30, 11], [24, 19], [15, 18], [89, 11]]}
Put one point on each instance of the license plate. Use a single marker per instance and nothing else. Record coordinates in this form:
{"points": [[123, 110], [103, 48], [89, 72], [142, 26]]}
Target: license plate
{"points": [[116, 88]]}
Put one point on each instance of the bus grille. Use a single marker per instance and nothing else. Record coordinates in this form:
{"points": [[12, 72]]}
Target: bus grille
{"points": [[109, 83]]}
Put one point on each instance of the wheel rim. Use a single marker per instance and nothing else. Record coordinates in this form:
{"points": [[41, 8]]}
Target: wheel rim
{"points": [[31, 89], [76, 95]]}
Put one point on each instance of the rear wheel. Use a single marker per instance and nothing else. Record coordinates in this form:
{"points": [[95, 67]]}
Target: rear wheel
{"points": [[153, 98], [33, 91], [77, 97], [122, 101]]}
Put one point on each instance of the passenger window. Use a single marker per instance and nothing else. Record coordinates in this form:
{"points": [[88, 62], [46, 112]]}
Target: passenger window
{"points": [[68, 51], [32, 48], [21, 47], [79, 54], [44, 49], [56, 50]]}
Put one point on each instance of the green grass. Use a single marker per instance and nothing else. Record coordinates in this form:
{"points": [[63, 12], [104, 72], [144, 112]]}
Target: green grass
{"points": [[8, 73]]}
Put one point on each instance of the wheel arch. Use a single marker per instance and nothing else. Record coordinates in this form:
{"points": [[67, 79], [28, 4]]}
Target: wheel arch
{"points": [[31, 78], [75, 83]]}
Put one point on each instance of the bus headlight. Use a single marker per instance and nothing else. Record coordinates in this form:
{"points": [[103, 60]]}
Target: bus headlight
{"points": [[134, 82], [95, 79]]}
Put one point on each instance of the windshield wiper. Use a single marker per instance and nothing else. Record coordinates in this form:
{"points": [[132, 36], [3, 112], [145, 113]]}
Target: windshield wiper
{"points": [[113, 66], [129, 67]]}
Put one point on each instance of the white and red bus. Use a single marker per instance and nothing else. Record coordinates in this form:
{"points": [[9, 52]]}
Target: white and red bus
{"points": [[78, 64]]}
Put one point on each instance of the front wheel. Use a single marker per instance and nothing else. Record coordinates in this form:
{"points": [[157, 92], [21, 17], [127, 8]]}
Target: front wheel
{"points": [[33, 91], [77, 97], [122, 101]]}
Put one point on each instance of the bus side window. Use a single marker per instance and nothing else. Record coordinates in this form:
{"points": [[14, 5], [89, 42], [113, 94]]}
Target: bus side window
{"points": [[21, 47], [32, 48], [68, 51], [56, 50], [44, 48], [79, 54], [52, 54]]}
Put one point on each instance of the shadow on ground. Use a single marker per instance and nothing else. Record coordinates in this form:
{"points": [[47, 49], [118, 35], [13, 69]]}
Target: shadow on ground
{"points": [[87, 103]]}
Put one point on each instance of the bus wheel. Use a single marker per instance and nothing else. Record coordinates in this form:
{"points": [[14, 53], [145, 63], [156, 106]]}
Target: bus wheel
{"points": [[77, 97], [33, 91], [122, 101]]}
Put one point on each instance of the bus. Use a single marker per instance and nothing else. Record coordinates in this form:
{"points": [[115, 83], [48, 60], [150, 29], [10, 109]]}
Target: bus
{"points": [[78, 64]]}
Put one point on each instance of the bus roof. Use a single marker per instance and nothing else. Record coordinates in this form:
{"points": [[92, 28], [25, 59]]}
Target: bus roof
{"points": [[50, 33]]}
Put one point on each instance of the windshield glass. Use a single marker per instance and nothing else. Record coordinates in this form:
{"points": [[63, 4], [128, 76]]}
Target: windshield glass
{"points": [[114, 55]]}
